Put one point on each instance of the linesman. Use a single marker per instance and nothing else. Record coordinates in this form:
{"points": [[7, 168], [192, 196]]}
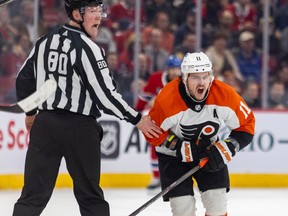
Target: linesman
{"points": [[65, 125]]}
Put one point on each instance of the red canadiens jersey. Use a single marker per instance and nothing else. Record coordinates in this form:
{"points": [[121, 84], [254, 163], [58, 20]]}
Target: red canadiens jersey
{"points": [[200, 121], [154, 84]]}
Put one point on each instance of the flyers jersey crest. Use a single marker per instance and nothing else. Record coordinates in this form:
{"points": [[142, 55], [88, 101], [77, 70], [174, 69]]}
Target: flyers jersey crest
{"points": [[204, 130], [224, 105]]}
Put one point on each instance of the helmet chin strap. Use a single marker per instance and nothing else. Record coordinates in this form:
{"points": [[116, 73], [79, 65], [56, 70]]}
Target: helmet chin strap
{"points": [[80, 22], [83, 29]]}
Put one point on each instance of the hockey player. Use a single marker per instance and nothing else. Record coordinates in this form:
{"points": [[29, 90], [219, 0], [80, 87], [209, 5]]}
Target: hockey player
{"points": [[154, 84], [190, 111]]}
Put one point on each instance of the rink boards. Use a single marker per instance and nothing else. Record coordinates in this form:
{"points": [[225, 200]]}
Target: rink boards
{"points": [[125, 156]]}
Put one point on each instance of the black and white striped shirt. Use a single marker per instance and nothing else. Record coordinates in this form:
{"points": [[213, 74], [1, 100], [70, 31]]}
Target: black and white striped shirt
{"points": [[78, 65]]}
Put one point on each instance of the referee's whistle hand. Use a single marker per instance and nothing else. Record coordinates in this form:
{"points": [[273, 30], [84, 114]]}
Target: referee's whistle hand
{"points": [[148, 127]]}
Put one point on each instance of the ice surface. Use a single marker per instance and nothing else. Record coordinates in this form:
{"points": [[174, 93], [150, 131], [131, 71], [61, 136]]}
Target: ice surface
{"points": [[241, 202]]}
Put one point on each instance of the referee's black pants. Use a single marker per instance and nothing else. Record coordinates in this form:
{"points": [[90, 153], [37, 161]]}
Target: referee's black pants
{"points": [[54, 135]]}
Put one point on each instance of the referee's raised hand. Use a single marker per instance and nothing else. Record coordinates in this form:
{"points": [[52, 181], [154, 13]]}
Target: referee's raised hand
{"points": [[148, 127]]}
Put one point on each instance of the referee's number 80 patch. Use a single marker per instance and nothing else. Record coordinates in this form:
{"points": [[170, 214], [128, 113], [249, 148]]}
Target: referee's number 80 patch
{"points": [[102, 64]]}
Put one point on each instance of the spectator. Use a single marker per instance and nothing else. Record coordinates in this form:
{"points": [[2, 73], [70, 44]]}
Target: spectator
{"points": [[225, 25], [188, 45], [152, 7], [124, 31], [10, 64], [245, 15], [162, 22], [123, 81], [19, 25], [7, 30], [27, 16], [154, 51], [277, 96], [211, 11], [112, 63], [229, 77], [125, 75], [132, 86], [126, 70], [143, 75], [126, 56], [22, 47], [251, 94], [124, 9], [248, 57], [222, 58], [183, 8], [283, 40], [187, 26], [260, 7], [143, 67], [274, 42], [60, 19], [281, 15], [282, 74], [14, 46]]}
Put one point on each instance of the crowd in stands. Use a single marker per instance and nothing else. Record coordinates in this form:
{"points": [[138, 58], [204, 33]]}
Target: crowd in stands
{"points": [[232, 35]]}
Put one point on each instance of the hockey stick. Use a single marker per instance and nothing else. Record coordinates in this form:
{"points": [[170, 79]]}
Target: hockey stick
{"points": [[3, 2], [170, 187], [32, 101]]}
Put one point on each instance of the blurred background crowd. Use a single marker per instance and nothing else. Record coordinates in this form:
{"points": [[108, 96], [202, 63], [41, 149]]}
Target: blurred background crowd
{"points": [[232, 35]]}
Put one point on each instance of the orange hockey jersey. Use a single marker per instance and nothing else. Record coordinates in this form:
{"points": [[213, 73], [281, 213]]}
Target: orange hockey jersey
{"points": [[175, 111]]}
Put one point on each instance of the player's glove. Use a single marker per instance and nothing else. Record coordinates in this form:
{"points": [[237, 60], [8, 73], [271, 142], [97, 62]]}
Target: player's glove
{"points": [[184, 150], [219, 154]]}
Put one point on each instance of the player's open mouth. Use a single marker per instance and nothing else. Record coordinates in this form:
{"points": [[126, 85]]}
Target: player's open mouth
{"points": [[200, 90]]}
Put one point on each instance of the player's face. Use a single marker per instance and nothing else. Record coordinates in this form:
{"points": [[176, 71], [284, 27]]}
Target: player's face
{"points": [[198, 84], [92, 19]]}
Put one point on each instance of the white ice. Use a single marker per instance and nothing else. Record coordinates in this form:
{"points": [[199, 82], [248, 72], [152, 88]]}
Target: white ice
{"points": [[241, 202]]}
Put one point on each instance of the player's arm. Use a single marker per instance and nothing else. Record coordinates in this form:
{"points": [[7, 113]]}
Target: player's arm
{"points": [[221, 152], [242, 135], [96, 77], [157, 115]]}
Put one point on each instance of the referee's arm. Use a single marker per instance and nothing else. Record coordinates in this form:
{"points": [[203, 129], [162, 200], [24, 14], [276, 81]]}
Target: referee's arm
{"points": [[26, 81], [101, 87]]}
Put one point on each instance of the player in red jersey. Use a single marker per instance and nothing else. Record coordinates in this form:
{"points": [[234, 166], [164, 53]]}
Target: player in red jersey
{"points": [[154, 84], [190, 110]]}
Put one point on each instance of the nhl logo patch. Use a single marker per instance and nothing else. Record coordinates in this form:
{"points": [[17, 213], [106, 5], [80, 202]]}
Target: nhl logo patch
{"points": [[198, 107]]}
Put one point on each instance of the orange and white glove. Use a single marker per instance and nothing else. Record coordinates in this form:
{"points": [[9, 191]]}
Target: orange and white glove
{"points": [[183, 148], [219, 155]]}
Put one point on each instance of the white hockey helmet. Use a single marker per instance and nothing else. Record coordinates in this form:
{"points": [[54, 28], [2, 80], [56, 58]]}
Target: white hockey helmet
{"points": [[197, 62]]}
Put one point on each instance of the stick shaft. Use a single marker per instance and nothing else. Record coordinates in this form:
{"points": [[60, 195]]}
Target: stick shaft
{"points": [[3, 2], [170, 187], [32, 101]]}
